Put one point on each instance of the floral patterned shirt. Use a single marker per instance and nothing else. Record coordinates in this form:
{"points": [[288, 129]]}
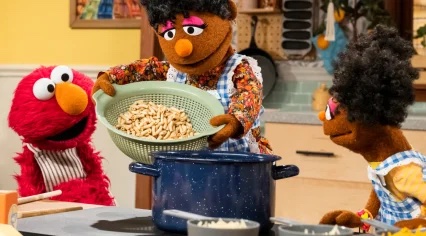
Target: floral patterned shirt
{"points": [[245, 103]]}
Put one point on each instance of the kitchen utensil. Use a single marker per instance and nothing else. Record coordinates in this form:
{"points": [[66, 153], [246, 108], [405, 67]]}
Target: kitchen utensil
{"points": [[38, 197], [217, 184], [297, 27], [293, 228], [199, 105], [285, 221], [185, 215], [195, 230], [380, 225], [25, 214], [264, 60]]}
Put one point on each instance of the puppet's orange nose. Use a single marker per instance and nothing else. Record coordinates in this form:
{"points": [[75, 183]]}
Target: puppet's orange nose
{"points": [[71, 98], [321, 116], [183, 47]]}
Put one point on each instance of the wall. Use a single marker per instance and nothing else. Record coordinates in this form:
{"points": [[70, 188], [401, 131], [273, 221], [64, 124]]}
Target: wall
{"points": [[298, 80], [37, 32]]}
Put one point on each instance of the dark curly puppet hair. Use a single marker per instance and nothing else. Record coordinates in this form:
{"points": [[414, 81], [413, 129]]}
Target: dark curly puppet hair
{"points": [[159, 11], [373, 78]]}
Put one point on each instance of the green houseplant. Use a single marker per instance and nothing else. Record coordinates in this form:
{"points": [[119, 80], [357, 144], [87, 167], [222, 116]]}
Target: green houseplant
{"points": [[421, 33]]}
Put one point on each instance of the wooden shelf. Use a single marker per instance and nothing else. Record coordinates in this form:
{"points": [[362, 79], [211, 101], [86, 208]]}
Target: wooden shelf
{"points": [[106, 24], [259, 11]]}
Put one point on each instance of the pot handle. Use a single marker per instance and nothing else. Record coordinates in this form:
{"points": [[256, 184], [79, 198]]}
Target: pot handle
{"points": [[283, 172], [144, 169]]}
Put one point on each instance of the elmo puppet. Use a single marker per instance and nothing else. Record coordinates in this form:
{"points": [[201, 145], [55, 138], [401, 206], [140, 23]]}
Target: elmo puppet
{"points": [[52, 112]]}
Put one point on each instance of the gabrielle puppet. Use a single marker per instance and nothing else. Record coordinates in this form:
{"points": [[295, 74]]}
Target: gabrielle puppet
{"points": [[195, 36], [53, 114], [372, 89]]}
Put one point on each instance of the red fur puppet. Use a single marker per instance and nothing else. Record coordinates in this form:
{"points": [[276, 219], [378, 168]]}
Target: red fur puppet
{"points": [[372, 89], [52, 112]]}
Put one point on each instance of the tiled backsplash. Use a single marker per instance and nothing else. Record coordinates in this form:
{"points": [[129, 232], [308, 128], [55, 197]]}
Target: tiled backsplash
{"points": [[292, 95], [296, 83]]}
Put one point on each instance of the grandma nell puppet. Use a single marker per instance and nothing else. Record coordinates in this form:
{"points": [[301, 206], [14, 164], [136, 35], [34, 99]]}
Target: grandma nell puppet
{"points": [[53, 114], [195, 36], [372, 88]]}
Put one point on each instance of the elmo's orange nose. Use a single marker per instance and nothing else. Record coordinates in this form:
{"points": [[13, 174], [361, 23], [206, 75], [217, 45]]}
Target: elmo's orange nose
{"points": [[321, 116], [71, 98], [183, 47]]}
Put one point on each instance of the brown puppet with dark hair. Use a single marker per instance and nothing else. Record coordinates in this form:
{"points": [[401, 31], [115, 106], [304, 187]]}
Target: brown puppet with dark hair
{"points": [[372, 89], [195, 36]]}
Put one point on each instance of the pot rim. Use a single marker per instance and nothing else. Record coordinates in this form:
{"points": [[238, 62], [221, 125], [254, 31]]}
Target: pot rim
{"points": [[214, 156]]}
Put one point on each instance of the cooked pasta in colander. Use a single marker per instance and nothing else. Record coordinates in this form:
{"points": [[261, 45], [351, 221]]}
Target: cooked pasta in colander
{"points": [[149, 120]]}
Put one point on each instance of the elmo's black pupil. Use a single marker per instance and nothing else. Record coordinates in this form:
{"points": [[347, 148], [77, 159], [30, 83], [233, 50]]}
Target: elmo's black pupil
{"points": [[170, 34], [65, 77], [50, 88], [191, 30]]}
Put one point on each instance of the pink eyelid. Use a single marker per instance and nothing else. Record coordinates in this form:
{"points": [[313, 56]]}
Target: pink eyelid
{"points": [[332, 105], [193, 21], [169, 25]]}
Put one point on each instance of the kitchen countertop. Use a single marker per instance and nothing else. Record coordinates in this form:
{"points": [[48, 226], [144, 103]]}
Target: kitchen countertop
{"points": [[414, 121], [100, 221]]}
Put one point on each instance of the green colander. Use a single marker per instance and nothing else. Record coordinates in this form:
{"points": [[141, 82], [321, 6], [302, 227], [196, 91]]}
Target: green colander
{"points": [[199, 105]]}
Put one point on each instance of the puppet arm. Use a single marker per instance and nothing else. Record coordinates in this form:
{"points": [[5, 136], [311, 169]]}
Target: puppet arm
{"points": [[94, 189], [408, 180], [30, 180], [140, 70], [244, 107], [351, 219]]}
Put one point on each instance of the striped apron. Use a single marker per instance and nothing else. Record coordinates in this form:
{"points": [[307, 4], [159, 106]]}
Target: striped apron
{"points": [[58, 166], [391, 210], [224, 90]]}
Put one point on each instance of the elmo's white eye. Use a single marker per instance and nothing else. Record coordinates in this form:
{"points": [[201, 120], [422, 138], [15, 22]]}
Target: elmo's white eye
{"points": [[328, 115], [169, 34], [61, 74], [44, 89], [193, 30]]}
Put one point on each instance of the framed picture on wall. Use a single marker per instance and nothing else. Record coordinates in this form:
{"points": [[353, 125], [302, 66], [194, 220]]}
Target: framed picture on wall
{"points": [[105, 14]]}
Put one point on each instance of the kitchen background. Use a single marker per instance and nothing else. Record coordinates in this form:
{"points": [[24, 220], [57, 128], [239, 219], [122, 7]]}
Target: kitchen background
{"points": [[38, 33]]}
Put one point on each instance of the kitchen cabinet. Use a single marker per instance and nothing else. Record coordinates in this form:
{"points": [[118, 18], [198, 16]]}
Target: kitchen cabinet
{"points": [[324, 183]]}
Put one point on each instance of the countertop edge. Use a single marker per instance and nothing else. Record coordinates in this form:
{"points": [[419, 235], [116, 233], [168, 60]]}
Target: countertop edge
{"points": [[412, 122]]}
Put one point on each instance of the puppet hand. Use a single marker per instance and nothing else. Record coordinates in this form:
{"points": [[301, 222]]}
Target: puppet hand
{"points": [[103, 83], [411, 224], [342, 218], [232, 128]]}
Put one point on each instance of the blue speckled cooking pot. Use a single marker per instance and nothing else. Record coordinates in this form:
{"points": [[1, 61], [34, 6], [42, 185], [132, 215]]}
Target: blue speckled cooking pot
{"points": [[214, 184]]}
